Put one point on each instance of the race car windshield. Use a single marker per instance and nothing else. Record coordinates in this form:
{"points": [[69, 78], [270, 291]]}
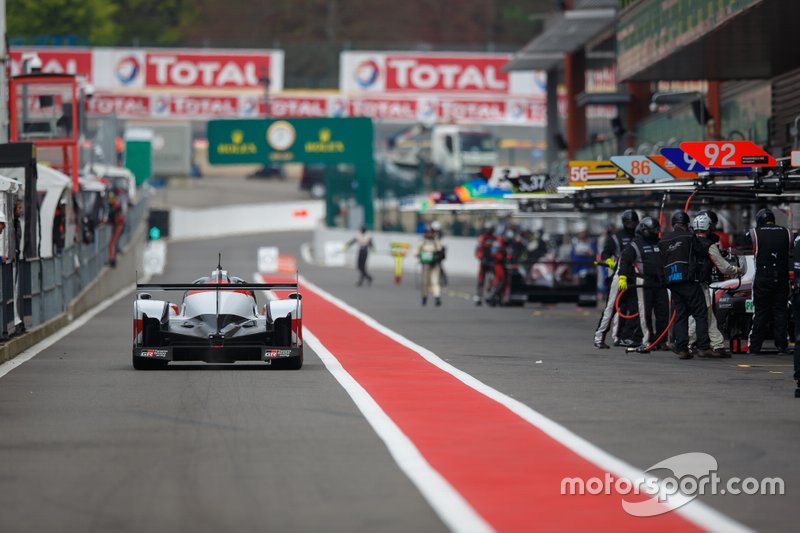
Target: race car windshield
{"points": [[477, 142]]}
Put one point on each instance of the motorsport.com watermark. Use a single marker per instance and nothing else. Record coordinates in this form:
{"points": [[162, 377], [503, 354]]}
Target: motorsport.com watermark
{"points": [[693, 474]]}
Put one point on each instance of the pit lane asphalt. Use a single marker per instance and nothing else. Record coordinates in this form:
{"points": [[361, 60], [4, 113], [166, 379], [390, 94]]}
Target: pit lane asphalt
{"points": [[89, 444]]}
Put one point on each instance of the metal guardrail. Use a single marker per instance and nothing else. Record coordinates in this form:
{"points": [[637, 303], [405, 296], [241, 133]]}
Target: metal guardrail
{"points": [[46, 287]]}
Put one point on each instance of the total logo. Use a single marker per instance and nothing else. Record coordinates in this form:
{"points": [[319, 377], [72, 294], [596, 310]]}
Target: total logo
{"points": [[428, 110], [366, 73], [445, 74], [249, 106], [127, 70], [161, 106], [517, 110]]}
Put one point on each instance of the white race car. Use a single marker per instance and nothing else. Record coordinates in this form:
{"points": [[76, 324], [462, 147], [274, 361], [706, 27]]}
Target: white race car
{"points": [[217, 321]]}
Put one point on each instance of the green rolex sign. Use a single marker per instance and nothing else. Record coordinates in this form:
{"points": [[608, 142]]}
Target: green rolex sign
{"points": [[304, 140], [329, 141]]}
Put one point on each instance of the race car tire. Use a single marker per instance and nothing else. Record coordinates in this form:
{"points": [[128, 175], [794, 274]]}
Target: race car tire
{"points": [[140, 363], [283, 332]]}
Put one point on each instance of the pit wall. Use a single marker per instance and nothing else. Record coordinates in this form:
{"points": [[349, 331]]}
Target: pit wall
{"points": [[187, 224]]}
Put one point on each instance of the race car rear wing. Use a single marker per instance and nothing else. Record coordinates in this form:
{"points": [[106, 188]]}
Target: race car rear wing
{"points": [[217, 286]]}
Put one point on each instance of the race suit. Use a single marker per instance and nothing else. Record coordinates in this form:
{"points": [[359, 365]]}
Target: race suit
{"points": [[682, 257], [430, 256], [641, 261], [499, 255], [716, 263], [483, 253], [620, 328], [772, 246]]}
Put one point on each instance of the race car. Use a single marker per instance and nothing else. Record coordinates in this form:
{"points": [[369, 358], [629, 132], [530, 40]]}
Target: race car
{"points": [[217, 321], [550, 281]]}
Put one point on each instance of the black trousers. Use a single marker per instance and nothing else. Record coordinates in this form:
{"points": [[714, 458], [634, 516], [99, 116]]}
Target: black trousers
{"points": [[362, 267], [688, 300], [653, 312], [770, 296], [629, 327]]}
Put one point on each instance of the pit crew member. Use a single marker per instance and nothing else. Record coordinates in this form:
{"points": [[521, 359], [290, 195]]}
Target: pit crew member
{"points": [[772, 247], [623, 331], [641, 269], [703, 226], [683, 256]]}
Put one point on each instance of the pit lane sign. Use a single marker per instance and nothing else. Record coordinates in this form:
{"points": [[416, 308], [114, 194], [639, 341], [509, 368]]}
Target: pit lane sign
{"points": [[641, 169], [687, 163], [588, 173], [728, 154], [672, 168], [306, 140]]}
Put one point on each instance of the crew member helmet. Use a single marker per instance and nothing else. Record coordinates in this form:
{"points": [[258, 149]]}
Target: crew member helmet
{"points": [[764, 217], [702, 222], [712, 215], [436, 225], [680, 217], [488, 227], [648, 228], [630, 218]]}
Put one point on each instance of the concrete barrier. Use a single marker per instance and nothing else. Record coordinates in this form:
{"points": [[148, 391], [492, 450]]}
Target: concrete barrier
{"points": [[460, 260], [243, 219]]}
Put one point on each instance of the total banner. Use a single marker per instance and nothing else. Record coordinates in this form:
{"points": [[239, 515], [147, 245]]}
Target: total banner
{"points": [[155, 68], [406, 108], [435, 72]]}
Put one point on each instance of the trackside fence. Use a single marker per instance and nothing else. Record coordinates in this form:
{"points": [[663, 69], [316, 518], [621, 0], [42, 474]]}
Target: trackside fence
{"points": [[33, 291]]}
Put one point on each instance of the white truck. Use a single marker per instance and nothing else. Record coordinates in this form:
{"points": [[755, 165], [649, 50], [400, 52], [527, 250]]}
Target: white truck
{"points": [[450, 148]]}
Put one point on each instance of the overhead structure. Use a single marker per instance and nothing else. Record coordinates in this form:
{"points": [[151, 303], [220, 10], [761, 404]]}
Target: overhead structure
{"points": [[574, 41], [681, 40]]}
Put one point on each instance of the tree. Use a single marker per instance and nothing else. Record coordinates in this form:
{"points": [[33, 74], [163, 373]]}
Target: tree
{"points": [[150, 22], [91, 19]]}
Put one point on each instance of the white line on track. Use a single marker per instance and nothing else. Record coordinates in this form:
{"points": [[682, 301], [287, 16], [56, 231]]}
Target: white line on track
{"points": [[695, 511], [451, 507], [81, 321]]}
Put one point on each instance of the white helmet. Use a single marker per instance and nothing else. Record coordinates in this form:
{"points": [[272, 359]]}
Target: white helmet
{"points": [[436, 225], [702, 222]]}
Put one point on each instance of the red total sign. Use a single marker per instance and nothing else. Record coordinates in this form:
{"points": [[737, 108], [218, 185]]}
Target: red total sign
{"points": [[451, 74], [728, 154], [59, 61], [178, 69], [121, 105]]}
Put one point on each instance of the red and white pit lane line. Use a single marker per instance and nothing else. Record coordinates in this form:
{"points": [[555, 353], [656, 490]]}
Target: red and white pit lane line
{"points": [[483, 460]]}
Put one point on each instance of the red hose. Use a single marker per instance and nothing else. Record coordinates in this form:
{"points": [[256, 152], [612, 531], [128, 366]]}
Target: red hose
{"points": [[616, 307], [688, 201], [658, 339], [669, 325]]}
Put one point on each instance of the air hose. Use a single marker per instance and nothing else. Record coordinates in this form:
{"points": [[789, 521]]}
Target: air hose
{"points": [[659, 338], [616, 307], [689, 201]]}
